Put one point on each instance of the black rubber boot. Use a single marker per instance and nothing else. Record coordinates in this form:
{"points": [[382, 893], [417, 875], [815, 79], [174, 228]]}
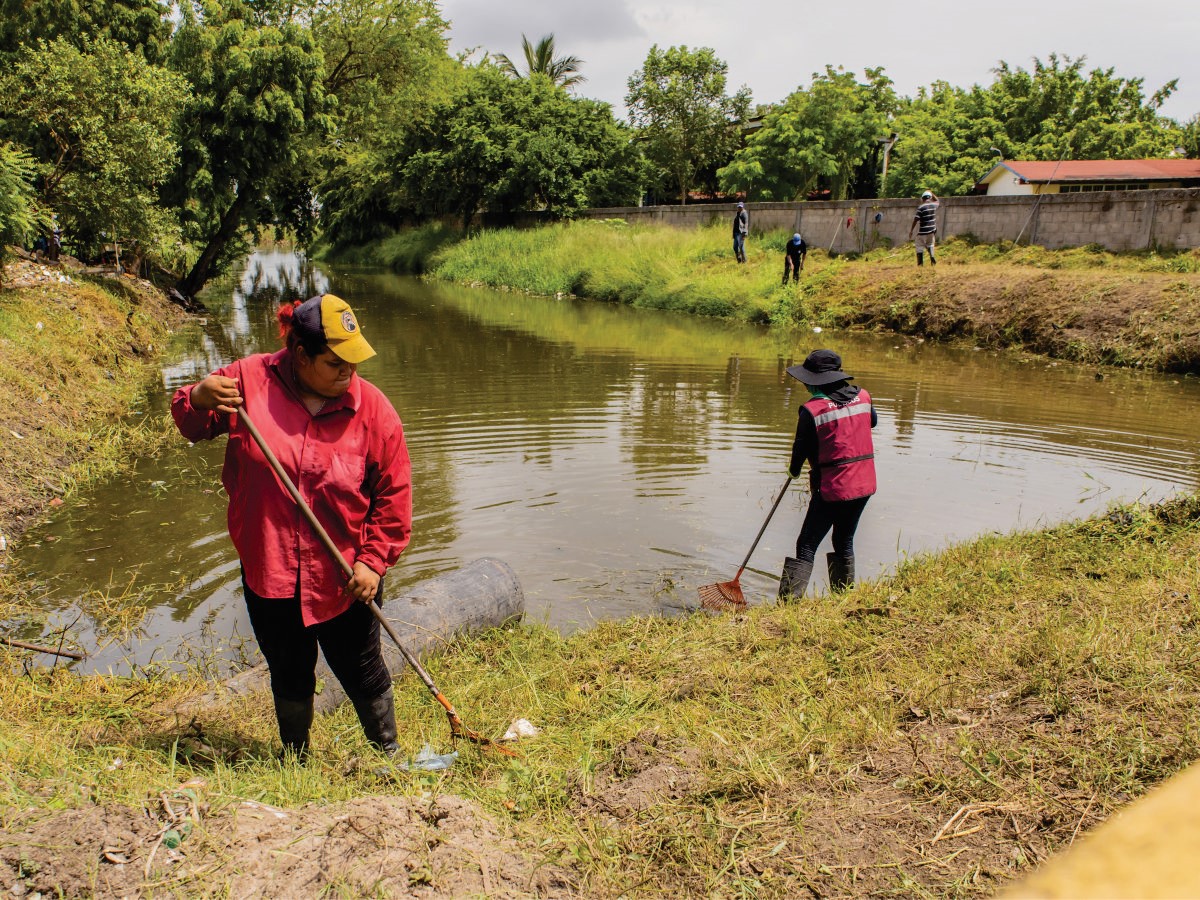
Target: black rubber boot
{"points": [[841, 571], [794, 581], [295, 719], [920, 259], [378, 718]]}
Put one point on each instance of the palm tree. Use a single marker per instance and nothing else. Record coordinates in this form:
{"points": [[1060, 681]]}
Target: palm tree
{"points": [[540, 60]]}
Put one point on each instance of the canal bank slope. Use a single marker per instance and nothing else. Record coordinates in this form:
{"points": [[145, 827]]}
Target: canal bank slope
{"points": [[1085, 305], [941, 731], [76, 354]]}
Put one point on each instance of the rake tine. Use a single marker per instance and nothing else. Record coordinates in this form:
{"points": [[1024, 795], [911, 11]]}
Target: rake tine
{"points": [[726, 595]]}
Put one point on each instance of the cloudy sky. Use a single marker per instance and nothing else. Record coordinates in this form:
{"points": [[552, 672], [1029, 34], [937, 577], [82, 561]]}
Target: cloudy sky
{"points": [[774, 46]]}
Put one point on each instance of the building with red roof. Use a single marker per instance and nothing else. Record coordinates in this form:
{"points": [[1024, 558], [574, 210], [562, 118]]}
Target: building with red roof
{"points": [[1016, 177]]}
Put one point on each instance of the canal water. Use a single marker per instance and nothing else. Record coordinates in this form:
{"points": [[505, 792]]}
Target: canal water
{"points": [[615, 458]]}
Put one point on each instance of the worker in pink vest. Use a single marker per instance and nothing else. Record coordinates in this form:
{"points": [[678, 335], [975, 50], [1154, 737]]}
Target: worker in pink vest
{"points": [[833, 435]]}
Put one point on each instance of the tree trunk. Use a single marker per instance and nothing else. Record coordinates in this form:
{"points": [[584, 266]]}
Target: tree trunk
{"points": [[230, 222]]}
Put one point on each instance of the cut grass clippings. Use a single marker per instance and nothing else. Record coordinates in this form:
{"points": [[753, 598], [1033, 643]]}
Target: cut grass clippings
{"points": [[1084, 304]]}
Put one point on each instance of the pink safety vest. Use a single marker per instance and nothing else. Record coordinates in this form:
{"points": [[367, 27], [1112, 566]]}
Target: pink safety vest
{"points": [[845, 468]]}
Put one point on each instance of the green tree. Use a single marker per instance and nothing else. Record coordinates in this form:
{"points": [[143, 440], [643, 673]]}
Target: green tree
{"points": [[540, 60], [505, 146], [94, 120], [251, 132], [1190, 137], [19, 213], [1054, 111], [387, 65], [686, 120], [141, 25], [946, 140], [823, 134]]}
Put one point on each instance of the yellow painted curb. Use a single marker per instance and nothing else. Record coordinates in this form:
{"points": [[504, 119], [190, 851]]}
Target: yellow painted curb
{"points": [[1149, 850]]}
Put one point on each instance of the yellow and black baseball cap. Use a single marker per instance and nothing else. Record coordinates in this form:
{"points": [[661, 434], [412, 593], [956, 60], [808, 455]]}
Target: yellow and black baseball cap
{"points": [[332, 317]]}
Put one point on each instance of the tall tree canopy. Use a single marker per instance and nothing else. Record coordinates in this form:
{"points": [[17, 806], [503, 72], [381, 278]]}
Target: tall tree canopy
{"points": [[686, 120], [387, 65], [141, 25], [1055, 111], [507, 146], [94, 120], [540, 60], [250, 133], [820, 134]]}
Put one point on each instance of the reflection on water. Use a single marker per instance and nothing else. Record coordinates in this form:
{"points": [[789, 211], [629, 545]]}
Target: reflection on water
{"points": [[619, 458]]}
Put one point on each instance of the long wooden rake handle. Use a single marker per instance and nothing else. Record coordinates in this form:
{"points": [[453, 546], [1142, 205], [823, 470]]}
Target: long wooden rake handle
{"points": [[457, 728], [761, 531]]}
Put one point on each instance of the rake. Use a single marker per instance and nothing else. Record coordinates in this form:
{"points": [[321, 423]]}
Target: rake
{"points": [[457, 728], [727, 595]]}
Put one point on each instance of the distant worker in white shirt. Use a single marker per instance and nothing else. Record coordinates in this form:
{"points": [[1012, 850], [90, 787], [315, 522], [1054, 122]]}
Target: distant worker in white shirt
{"points": [[925, 223]]}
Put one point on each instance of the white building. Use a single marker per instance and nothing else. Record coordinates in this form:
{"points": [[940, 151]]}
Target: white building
{"points": [[1084, 175]]}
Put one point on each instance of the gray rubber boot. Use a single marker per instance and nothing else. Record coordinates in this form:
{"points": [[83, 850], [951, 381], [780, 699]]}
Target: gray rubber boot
{"points": [[378, 718], [794, 581], [295, 719], [841, 571]]}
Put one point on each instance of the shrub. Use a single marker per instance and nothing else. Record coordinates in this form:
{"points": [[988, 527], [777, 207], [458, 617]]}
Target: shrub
{"points": [[19, 214]]}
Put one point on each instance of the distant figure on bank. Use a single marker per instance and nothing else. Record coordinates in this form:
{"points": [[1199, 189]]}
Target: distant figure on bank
{"points": [[925, 223], [834, 435], [794, 254], [54, 247], [741, 227]]}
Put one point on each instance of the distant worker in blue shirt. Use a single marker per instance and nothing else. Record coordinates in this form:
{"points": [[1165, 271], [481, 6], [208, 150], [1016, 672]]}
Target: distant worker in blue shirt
{"points": [[794, 254], [925, 223]]}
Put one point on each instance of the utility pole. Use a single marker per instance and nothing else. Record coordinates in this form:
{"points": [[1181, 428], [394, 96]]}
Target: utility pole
{"points": [[887, 143]]}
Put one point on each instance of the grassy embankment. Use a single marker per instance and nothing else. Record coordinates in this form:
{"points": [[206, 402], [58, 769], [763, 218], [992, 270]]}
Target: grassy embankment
{"points": [[75, 356], [1087, 305], [935, 733]]}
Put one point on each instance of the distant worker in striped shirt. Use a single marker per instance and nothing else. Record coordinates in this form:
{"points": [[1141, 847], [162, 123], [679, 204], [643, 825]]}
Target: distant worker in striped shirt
{"points": [[925, 223]]}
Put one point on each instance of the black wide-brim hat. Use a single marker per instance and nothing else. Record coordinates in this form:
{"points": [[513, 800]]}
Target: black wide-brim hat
{"points": [[820, 367]]}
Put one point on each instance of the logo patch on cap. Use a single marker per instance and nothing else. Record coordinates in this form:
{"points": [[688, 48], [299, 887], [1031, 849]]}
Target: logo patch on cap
{"points": [[348, 322]]}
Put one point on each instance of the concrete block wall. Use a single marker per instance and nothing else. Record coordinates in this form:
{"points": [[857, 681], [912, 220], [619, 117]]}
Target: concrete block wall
{"points": [[1116, 220]]}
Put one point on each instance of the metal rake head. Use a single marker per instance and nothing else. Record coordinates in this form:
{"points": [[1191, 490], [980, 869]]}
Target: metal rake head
{"points": [[723, 596]]}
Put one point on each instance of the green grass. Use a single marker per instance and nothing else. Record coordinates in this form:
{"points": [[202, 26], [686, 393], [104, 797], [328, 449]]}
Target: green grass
{"points": [[1048, 677], [1085, 304]]}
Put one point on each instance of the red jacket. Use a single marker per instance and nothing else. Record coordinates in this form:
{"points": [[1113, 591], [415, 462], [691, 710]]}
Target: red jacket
{"points": [[349, 462]]}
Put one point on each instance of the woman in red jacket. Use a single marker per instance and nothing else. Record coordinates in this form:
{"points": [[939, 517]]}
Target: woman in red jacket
{"points": [[342, 443], [834, 435]]}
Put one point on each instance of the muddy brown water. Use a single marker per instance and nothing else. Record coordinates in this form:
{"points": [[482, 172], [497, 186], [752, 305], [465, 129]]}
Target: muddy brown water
{"points": [[615, 458]]}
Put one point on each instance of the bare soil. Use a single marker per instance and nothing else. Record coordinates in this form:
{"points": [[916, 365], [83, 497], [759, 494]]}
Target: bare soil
{"points": [[371, 846], [1124, 318]]}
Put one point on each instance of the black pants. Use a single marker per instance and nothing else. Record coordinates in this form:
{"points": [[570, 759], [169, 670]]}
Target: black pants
{"points": [[840, 515], [350, 643]]}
